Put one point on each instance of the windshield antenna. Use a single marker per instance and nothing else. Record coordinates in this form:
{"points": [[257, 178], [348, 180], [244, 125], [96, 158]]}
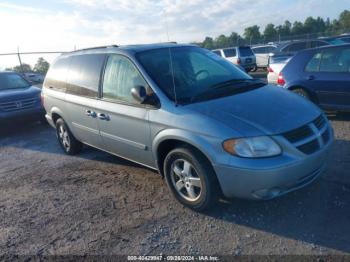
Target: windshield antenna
{"points": [[172, 76]]}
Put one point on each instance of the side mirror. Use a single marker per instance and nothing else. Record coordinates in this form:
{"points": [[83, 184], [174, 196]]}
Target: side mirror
{"points": [[139, 94]]}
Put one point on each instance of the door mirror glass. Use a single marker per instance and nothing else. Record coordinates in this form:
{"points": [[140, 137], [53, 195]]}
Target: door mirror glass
{"points": [[139, 94]]}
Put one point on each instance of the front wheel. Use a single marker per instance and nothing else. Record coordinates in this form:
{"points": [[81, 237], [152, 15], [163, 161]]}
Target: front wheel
{"points": [[68, 142], [191, 178]]}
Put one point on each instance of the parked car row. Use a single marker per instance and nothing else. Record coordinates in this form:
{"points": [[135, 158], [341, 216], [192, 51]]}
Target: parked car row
{"points": [[258, 56], [290, 48]]}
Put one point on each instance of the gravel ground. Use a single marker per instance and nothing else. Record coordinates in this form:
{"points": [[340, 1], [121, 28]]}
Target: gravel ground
{"points": [[96, 203]]}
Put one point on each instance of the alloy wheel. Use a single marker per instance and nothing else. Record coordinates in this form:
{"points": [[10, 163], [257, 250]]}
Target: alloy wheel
{"points": [[185, 180]]}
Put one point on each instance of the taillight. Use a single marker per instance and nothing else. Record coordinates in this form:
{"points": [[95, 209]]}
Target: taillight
{"points": [[280, 80], [238, 61], [270, 70]]}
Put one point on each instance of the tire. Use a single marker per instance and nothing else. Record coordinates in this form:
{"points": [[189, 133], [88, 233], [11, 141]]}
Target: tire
{"points": [[301, 92], [69, 144], [194, 184], [254, 69]]}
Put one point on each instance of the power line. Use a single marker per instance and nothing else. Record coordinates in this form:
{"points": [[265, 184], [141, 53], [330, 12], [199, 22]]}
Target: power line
{"points": [[35, 53]]}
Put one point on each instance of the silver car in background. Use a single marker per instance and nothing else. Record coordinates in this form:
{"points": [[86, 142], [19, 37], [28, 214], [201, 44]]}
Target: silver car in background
{"points": [[262, 54], [240, 55], [275, 66], [205, 125]]}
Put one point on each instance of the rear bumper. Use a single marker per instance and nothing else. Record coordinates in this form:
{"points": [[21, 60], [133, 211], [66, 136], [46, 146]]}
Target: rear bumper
{"points": [[271, 182], [272, 78]]}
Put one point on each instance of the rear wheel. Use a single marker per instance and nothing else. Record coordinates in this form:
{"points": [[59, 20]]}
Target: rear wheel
{"points": [[191, 178], [302, 93], [68, 142]]}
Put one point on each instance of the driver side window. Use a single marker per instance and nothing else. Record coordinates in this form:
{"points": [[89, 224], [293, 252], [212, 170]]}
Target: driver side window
{"points": [[120, 77]]}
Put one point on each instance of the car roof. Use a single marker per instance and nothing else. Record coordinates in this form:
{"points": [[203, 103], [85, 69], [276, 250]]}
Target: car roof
{"points": [[126, 48], [301, 41], [324, 47], [232, 47], [8, 72], [257, 46]]}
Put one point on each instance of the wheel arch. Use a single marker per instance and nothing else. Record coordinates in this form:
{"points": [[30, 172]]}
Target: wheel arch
{"points": [[311, 94], [169, 140], [56, 113]]}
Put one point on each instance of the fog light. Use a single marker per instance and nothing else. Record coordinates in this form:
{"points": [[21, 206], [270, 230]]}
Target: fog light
{"points": [[267, 193]]}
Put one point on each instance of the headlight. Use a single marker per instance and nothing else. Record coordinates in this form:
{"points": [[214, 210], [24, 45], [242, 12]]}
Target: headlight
{"points": [[252, 147]]}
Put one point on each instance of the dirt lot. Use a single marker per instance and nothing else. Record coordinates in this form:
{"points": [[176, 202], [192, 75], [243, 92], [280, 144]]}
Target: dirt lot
{"points": [[96, 203]]}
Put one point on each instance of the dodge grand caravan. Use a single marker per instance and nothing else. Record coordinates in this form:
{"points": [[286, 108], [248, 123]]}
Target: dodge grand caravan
{"points": [[207, 126]]}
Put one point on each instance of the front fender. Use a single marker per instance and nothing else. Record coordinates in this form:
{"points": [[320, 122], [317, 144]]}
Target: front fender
{"points": [[210, 146]]}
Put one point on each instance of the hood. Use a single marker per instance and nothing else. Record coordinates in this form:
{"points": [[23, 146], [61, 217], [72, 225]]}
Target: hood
{"points": [[267, 110], [17, 94]]}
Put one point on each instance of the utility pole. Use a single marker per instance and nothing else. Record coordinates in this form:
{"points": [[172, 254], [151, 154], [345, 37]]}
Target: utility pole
{"points": [[20, 61]]}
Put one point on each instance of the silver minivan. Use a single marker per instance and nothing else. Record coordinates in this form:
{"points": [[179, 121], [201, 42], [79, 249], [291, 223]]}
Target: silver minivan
{"points": [[206, 126], [239, 55]]}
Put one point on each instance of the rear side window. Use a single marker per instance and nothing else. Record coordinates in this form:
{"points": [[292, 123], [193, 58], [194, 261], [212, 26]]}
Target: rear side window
{"points": [[259, 50], [318, 43], [84, 74], [217, 52], [120, 77], [345, 39], [270, 49], [314, 63], [57, 75], [231, 52], [335, 60], [245, 51], [295, 47]]}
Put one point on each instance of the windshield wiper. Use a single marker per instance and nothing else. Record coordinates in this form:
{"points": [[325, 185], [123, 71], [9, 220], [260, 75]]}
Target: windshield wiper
{"points": [[239, 82], [218, 90]]}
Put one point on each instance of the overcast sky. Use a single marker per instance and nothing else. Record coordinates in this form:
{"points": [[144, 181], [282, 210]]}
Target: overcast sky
{"points": [[39, 25]]}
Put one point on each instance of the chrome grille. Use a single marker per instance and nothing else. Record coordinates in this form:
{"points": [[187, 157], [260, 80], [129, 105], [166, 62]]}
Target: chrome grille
{"points": [[18, 104], [310, 137], [298, 134]]}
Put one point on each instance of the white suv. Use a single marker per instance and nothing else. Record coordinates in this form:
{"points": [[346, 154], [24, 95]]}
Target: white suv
{"points": [[242, 56]]}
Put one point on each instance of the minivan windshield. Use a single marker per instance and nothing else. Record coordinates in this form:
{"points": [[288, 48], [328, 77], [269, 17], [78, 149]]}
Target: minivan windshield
{"points": [[12, 81], [190, 74]]}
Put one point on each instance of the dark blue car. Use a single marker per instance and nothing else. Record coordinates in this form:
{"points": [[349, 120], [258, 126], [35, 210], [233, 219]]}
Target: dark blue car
{"points": [[321, 75], [19, 99]]}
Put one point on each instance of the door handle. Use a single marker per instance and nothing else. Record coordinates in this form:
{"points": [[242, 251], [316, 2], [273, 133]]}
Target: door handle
{"points": [[90, 113], [103, 116], [310, 77]]}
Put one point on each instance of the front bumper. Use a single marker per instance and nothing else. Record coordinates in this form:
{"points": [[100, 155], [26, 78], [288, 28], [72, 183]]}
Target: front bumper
{"points": [[270, 182], [36, 113], [50, 120]]}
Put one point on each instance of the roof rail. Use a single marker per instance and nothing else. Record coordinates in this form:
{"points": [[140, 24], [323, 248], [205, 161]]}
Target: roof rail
{"points": [[96, 47]]}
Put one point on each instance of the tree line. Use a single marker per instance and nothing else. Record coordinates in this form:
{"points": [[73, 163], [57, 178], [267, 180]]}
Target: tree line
{"points": [[40, 67], [310, 28]]}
